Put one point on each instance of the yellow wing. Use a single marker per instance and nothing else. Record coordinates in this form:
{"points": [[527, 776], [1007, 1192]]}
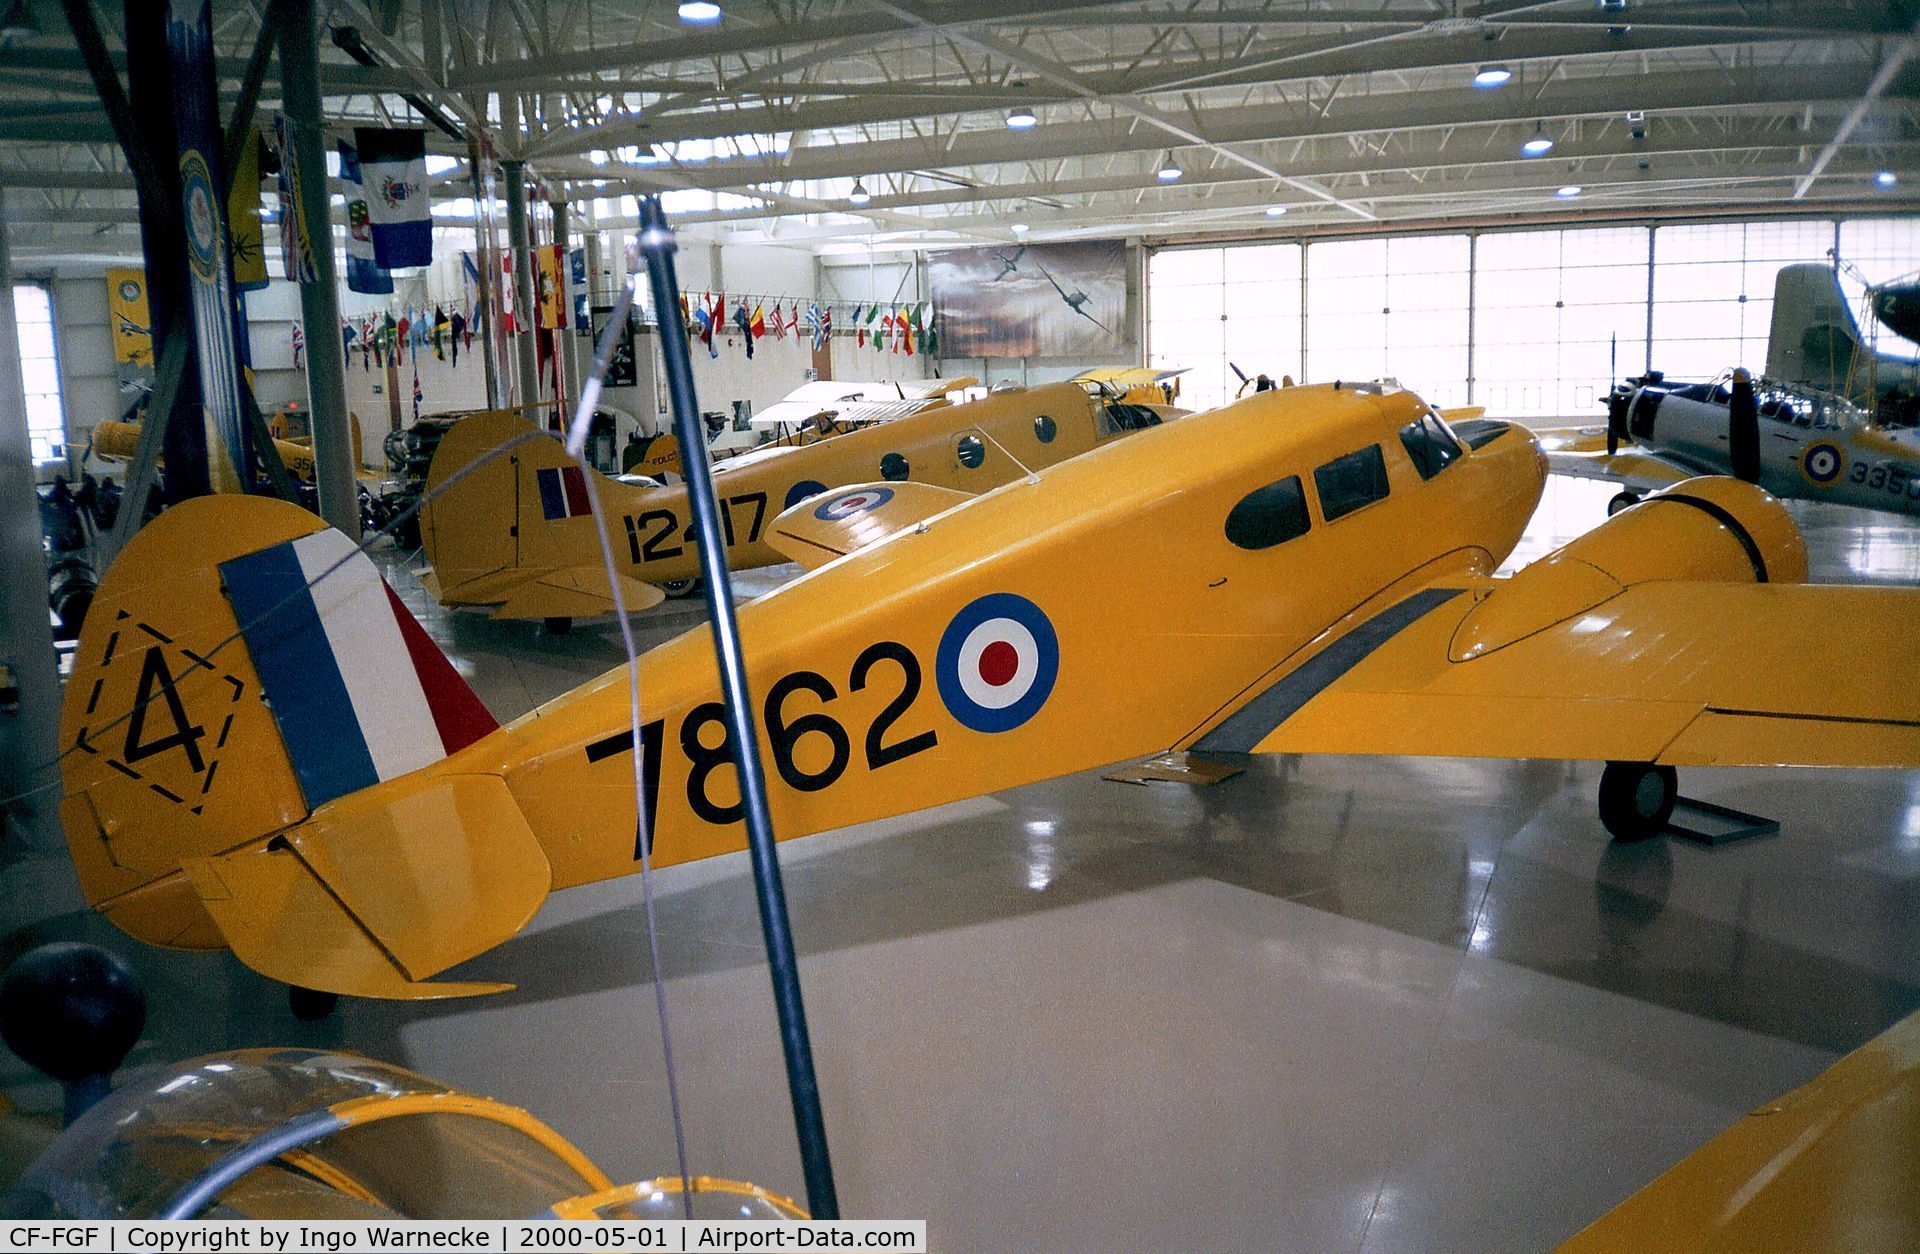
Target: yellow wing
{"points": [[834, 524], [1582, 453], [1677, 632], [1828, 1166], [1679, 673]]}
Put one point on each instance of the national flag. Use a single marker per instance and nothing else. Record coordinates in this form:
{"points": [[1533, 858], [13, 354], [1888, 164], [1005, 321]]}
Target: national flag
{"points": [[779, 327], [758, 323], [508, 322], [299, 348], [462, 333], [814, 325], [393, 165], [703, 324], [885, 339], [929, 337], [296, 235], [903, 337], [859, 326], [826, 322], [363, 273], [347, 337], [563, 492], [551, 277], [417, 396], [401, 338], [440, 325], [366, 342], [244, 232], [870, 329], [744, 321]]}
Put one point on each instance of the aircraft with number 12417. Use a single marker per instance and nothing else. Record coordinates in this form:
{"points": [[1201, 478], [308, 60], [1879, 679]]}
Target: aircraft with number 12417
{"points": [[288, 768], [515, 534]]}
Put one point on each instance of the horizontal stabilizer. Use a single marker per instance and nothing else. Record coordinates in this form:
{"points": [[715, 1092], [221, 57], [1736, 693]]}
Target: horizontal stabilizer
{"points": [[837, 523], [578, 592], [383, 890]]}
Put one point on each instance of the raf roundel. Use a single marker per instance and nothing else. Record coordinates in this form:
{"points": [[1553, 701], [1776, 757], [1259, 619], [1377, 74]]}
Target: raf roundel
{"points": [[847, 504], [1823, 464], [803, 490], [997, 662]]}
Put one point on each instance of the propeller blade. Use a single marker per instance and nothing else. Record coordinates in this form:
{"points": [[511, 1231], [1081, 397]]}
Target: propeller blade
{"points": [[1743, 429]]}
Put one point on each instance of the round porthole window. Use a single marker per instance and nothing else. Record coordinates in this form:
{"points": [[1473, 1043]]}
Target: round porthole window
{"points": [[1268, 516], [971, 451], [1044, 430], [893, 468]]}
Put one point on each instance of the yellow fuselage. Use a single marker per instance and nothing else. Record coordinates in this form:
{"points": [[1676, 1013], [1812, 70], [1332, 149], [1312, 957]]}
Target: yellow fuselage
{"points": [[494, 531], [1124, 555]]}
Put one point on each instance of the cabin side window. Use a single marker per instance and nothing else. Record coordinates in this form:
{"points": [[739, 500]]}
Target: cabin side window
{"points": [[1348, 483], [1268, 516], [1429, 446]]}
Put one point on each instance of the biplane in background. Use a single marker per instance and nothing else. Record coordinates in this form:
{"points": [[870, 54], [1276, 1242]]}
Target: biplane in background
{"points": [[1136, 385], [292, 770], [813, 412], [515, 535]]}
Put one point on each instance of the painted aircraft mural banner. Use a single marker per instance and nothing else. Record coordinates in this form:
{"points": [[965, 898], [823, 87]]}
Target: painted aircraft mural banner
{"points": [[1043, 300]]}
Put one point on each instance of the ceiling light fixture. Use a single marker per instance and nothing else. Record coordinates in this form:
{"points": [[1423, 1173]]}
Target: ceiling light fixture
{"points": [[1022, 118], [1569, 191], [699, 11], [1020, 228], [1886, 178], [1276, 211], [1539, 145], [1493, 76], [859, 195], [1168, 171]]}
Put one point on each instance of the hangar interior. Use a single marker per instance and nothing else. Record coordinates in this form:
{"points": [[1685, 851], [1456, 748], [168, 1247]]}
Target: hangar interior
{"points": [[1355, 1000]]}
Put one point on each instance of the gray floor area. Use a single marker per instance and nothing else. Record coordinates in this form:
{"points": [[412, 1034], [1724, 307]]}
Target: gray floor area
{"points": [[1331, 1004]]}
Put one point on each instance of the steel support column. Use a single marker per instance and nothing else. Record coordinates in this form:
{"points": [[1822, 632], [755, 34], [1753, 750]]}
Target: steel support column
{"points": [[320, 299], [29, 733], [526, 313]]}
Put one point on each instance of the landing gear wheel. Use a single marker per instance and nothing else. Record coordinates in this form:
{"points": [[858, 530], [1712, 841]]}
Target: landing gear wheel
{"points": [[1622, 500], [557, 626], [1636, 799], [678, 588], [310, 1005]]}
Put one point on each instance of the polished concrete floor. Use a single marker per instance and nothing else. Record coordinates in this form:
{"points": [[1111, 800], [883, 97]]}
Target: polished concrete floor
{"points": [[1330, 1004]]}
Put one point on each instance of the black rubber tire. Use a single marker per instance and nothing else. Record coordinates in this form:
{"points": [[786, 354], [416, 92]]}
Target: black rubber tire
{"points": [[310, 1005], [1622, 500], [680, 589], [1637, 799]]}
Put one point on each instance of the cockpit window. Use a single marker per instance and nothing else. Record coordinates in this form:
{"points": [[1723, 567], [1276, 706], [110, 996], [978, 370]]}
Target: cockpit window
{"points": [[1116, 418], [1347, 483], [1430, 446], [1269, 516]]}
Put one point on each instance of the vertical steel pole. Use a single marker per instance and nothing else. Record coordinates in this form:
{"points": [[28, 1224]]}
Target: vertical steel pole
{"points": [[488, 268], [29, 735], [656, 251], [527, 314], [319, 300]]}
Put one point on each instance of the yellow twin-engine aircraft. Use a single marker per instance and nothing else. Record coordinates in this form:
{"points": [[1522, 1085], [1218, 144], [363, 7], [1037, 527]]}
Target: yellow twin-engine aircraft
{"points": [[1305, 571], [516, 534]]}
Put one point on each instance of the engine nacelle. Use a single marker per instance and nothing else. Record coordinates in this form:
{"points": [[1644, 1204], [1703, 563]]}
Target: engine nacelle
{"points": [[1712, 529]]}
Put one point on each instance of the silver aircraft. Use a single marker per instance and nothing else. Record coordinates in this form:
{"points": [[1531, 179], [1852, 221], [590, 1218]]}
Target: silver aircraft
{"points": [[1793, 441]]}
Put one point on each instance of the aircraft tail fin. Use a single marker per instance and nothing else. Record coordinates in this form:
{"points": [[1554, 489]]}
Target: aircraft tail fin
{"points": [[1814, 339], [245, 669], [516, 531]]}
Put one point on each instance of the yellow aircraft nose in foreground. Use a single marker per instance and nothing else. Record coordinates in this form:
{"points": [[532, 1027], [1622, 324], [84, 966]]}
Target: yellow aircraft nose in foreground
{"points": [[1306, 570]]}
